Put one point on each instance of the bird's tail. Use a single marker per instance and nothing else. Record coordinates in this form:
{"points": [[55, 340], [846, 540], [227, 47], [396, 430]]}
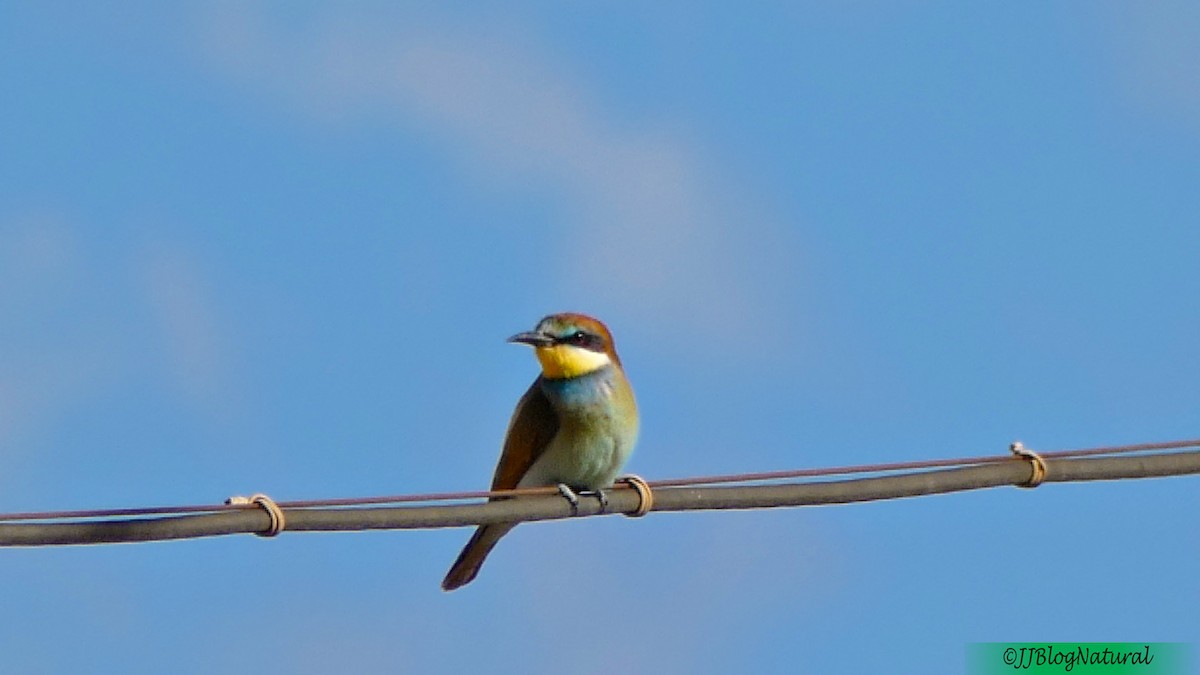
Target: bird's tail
{"points": [[473, 555]]}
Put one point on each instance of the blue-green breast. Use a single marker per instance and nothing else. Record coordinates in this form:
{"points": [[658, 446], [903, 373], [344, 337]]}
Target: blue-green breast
{"points": [[598, 427]]}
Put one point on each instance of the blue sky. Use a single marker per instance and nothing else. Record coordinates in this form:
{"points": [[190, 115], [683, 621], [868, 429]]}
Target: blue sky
{"points": [[277, 247]]}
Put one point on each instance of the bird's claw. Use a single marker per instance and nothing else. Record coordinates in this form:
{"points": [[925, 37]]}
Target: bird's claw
{"points": [[603, 500], [573, 497], [569, 495]]}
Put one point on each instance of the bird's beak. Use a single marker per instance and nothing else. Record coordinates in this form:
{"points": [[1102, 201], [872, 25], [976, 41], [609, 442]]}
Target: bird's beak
{"points": [[533, 339]]}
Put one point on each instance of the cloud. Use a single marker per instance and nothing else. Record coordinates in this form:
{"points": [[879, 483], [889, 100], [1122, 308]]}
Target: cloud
{"points": [[75, 330], [193, 339], [42, 367], [1158, 56], [651, 226]]}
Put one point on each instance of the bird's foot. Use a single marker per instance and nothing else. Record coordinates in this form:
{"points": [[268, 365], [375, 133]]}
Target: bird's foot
{"points": [[603, 500], [569, 495]]}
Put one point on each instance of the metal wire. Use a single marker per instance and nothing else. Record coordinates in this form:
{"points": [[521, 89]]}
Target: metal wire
{"points": [[1012, 471], [673, 482]]}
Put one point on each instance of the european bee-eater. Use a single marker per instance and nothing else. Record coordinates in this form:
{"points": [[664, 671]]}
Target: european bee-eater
{"points": [[575, 427]]}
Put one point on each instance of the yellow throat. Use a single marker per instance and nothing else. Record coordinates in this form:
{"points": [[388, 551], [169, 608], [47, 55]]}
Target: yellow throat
{"points": [[564, 361]]}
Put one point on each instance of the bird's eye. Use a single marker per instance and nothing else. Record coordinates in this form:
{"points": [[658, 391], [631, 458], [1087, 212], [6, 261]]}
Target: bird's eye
{"points": [[579, 337]]}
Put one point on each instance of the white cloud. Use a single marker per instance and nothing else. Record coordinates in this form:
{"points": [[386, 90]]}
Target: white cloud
{"points": [[42, 367], [192, 335], [651, 226], [1158, 56], [74, 328]]}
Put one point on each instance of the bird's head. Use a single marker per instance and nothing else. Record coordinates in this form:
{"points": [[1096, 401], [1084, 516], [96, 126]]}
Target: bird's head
{"points": [[570, 345]]}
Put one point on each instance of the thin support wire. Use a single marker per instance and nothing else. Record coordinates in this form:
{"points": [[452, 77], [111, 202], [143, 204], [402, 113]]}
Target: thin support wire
{"points": [[1013, 471]]}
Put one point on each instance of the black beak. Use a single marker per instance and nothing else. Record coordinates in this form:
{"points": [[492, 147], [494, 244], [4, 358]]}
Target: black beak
{"points": [[533, 339]]}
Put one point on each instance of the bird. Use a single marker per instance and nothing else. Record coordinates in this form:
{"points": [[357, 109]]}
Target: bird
{"points": [[574, 428]]}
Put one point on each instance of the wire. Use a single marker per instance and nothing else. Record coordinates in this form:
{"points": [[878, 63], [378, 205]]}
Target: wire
{"points": [[674, 482], [337, 515]]}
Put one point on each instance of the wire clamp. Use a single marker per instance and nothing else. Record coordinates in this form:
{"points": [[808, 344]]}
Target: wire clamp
{"points": [[268, 505], [1039, 465], [646, 496]]}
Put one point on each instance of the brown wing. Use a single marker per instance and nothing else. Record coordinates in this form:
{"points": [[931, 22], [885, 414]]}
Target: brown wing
{"points": [[533, 425]]}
